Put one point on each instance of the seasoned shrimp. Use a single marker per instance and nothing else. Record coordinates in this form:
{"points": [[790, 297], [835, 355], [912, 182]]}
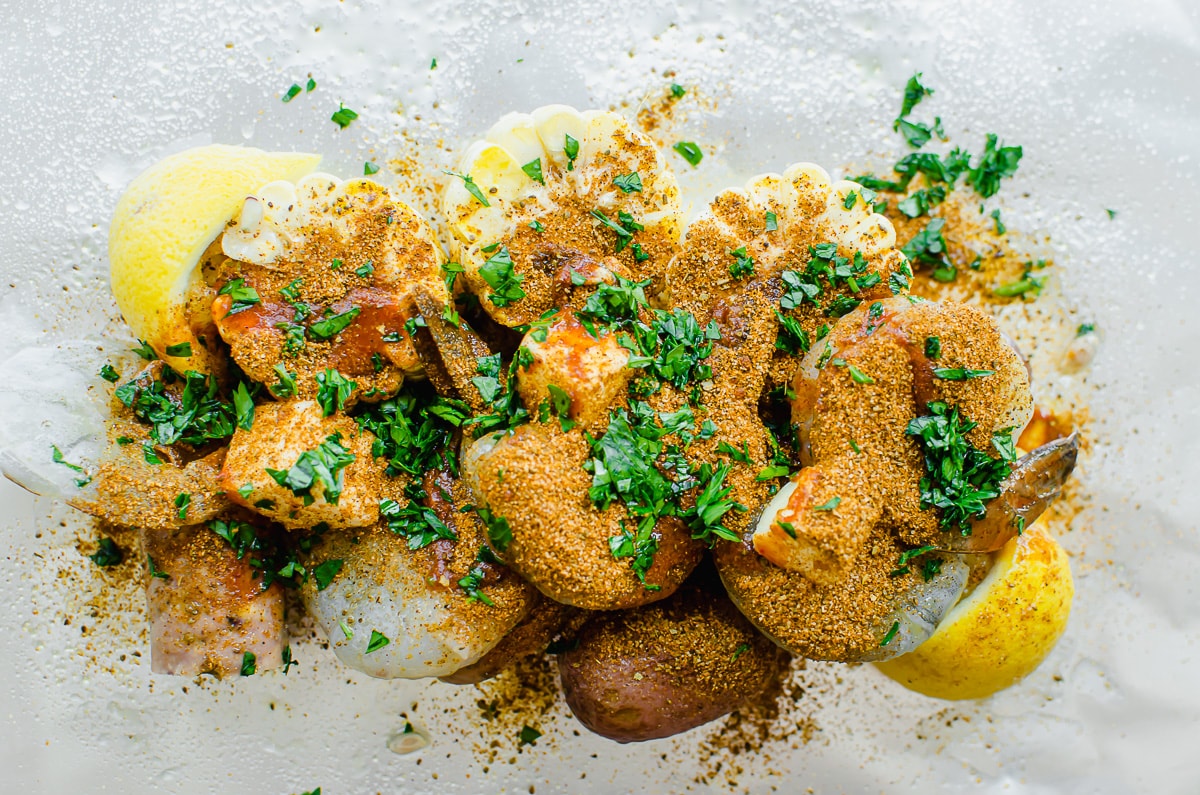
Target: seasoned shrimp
{"points": [[817, 240], [872, 613], [532, 480], [320, 276], [300, 468], [417, 595], [857, 392], [557, 177]]}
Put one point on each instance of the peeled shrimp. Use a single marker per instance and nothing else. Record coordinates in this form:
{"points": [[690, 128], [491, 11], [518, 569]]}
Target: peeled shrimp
{"points": [[856, 391], [392, 611]]}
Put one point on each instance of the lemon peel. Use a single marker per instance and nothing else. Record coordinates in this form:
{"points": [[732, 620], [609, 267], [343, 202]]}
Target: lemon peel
{"points": [[1001, 631], [164, 222]]}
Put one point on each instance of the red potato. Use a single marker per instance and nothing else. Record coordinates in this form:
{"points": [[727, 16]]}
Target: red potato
{"points": [[665, 668]]}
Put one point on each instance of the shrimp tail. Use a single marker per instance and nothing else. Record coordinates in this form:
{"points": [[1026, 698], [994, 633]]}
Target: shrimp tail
{"points": [[1036, 481]]}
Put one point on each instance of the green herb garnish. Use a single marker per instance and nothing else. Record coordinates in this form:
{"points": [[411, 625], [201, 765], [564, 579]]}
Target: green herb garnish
{"points": [[689, 152]]}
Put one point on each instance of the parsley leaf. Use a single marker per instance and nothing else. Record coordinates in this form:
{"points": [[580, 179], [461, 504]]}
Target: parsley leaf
{"points": [[571, 150], [689, 152], [629, 183], [378, 641], [328, 328], [472, 188], [333, 391], [960, 373], [323, 464], [107, 554], [914, 92], [743, 265], [533, 170], [343, 116], [505, 282], [324, 572]]}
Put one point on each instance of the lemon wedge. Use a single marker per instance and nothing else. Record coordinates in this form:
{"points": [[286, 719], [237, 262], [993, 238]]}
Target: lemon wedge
{"points": [[1001, 631], [163, 224]]}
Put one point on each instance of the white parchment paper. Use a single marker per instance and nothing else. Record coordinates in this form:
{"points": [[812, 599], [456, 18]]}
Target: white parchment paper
{"points": [[1102, 94]]}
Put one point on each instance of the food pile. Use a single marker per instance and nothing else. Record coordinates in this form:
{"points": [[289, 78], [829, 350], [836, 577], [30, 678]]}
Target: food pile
{"points": [[674, 458]]}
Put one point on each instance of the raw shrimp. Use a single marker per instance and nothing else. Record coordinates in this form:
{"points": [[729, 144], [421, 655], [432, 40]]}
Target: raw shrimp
{"points": [[857, 391], [424, 599], [532, 478]]}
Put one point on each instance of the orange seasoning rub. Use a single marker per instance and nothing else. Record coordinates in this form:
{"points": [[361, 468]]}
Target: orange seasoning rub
{"points": [[340, 296]]}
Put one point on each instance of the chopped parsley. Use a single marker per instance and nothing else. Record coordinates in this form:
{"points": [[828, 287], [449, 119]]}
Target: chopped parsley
{"points": [[333, 390], [677, 91], [891, 634], [689, 152], [417, 522], [324, 572], [960, 479], [58, 458], [370, 168], [929, 246], [288, 662], [145, 351], [240, 296], [378, 641], [291, 93], [472, 188], [858, 376], [243, 406], [413, 430], [364, 270], [324, 464], [107, 553], [109, 374], [533, 170], [629, 183], [994, 164], [743, 265], [571, 150], [914, 92], [933, 347], [328, 328], [921, 201], [1085, 328], [505, 282], [830, 505], [528, 736], [195, 416], [155, 572], [960, 373], [249, 663], [792, 338], [343, 116], [1000, 227], [183, 501], [772, 221], [472, 584]]}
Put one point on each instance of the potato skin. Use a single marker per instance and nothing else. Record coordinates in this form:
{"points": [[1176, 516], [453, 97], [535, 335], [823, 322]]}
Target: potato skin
{"points": [[662, 669], [546, 620]]}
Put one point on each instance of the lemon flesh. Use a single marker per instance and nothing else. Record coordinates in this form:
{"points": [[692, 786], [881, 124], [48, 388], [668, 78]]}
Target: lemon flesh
{"points": [[1003, 629], [164, 221]]}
